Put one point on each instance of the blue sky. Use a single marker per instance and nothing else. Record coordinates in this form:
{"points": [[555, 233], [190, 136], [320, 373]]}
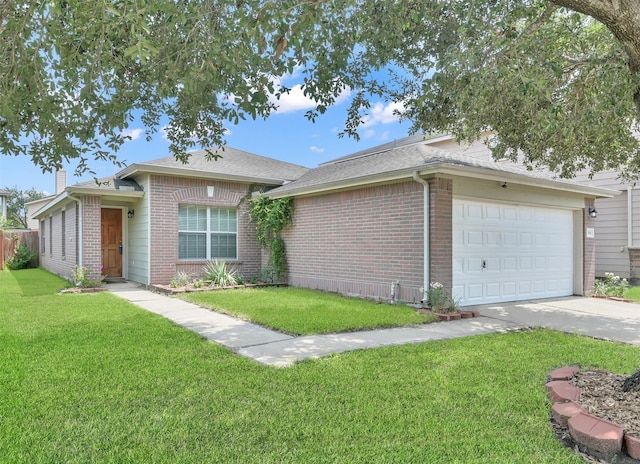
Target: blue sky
{"points": [[287, 135]]}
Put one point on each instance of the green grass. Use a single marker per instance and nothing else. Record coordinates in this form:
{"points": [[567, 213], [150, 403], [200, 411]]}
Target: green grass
{"points": [[90, 378], [633, 294], [305, 312]]}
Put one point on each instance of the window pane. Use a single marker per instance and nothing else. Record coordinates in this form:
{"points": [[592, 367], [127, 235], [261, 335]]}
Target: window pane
{"points": [[223, 246], [223, 220], [193, 218], [192, 246]]}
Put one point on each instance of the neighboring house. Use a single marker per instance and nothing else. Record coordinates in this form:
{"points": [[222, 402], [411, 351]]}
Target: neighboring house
{"points": [[36, 205], [617, 226], [4, 198], [386, 222], [33, 207], [154, 219], [383, 223]]}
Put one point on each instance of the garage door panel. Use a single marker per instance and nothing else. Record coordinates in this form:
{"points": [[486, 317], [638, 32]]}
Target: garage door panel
{"points": [[474, 238], [511, 252], [493, 289], [510, 238], [509, 288], [474, 212], [493, 238], [510, 263], [493, 264]]}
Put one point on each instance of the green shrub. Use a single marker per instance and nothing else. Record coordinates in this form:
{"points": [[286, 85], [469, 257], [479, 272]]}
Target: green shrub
{"points": [[22, 258]]}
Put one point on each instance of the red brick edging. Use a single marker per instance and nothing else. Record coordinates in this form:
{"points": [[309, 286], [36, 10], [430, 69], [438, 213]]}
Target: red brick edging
{"points": [[600, 437]]}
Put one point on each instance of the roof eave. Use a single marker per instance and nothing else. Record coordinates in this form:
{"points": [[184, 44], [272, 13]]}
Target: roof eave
{"points": [[52, 204], [182, 172], [521, 179], [105, 192], [453, 170]]}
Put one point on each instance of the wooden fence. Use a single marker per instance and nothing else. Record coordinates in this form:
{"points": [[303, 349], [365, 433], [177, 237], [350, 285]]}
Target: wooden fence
{"points": [[8, 243]]}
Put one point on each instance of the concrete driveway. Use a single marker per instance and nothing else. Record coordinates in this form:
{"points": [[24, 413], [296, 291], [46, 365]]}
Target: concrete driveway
{"points": [[594, 317]]}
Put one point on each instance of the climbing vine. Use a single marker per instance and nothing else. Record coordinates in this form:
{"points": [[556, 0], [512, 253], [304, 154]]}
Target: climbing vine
{"points": [[271, 215]]}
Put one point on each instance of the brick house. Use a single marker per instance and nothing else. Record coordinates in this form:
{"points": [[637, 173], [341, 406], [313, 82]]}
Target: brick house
{"points": [[154, 219], [386, 222], [617, 229], [382, 223]]}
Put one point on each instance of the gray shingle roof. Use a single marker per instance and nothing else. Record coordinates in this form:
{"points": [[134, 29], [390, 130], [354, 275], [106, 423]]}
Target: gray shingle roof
{"points": [[233, 163], [400, 158]]}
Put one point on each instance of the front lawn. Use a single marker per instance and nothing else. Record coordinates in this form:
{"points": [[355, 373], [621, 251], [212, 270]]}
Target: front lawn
{"points": [[633, 294], [91, 378], [304, 312]]}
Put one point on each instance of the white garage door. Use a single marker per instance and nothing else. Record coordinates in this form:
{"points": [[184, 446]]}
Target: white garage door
{"points": [[504, 252]]}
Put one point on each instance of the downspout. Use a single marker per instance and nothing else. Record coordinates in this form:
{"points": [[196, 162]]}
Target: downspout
{"points": [[427, 252]]}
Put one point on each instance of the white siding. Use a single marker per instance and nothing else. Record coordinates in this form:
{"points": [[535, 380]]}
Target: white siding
{"points": [[138, 238], [611, 236]]}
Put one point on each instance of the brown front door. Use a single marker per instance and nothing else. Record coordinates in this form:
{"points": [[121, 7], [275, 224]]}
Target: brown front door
{"points": [[111, 242]]}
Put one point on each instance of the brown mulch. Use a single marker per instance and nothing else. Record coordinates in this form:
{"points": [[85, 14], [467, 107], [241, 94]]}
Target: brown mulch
{"points": [[601, 394]]}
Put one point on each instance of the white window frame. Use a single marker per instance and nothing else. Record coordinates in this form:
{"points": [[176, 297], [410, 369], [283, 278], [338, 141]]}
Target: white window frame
{"points": [[208, 233]]}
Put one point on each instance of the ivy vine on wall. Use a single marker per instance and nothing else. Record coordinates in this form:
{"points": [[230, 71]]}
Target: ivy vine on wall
{"points": [[270, 216]]}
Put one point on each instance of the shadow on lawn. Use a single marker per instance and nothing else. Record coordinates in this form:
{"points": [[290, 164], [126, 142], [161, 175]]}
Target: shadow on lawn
{"points": [[37, 282]]}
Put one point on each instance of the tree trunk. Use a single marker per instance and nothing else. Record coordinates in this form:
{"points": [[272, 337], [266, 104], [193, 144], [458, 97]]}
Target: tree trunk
{"points": [[632, 383]]}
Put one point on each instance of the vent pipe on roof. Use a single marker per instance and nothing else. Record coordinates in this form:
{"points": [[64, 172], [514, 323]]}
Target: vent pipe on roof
{"points": [[61, 181], [426, 259]]}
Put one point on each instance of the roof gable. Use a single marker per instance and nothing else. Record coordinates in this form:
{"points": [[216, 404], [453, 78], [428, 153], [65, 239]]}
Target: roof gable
{"points": [[233, 164]]}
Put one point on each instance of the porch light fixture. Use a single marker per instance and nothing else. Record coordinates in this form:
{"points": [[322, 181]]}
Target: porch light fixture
{"points": [[504, 185], [593, 213], [130, 213]]}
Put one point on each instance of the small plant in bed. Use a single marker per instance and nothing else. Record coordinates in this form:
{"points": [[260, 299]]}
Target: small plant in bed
{"points": [[220, 274]]}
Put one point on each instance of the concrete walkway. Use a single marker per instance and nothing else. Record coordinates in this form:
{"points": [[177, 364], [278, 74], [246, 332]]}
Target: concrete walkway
{"points": [[276, 349], [604, 319]]}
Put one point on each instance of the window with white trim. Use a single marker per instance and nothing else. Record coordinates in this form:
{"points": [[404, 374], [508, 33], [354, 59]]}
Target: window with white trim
{"points": [[206, 232]]}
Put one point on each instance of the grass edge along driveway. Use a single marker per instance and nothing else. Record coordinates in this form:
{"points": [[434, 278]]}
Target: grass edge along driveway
{"points": [[92, 378]]}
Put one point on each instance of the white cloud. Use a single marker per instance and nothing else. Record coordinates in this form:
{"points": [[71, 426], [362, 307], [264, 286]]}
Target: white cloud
{"points": [[316, 149], [383, 114], [296, 100], [384, 136], [367, 134], [133, 133]]}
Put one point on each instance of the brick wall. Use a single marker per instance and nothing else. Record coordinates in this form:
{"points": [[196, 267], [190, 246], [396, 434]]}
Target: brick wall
{"points": [[441, 231], [53, 258], [589, 250], [91, 233], [634, 265], [166, 194], [359, 242]]}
